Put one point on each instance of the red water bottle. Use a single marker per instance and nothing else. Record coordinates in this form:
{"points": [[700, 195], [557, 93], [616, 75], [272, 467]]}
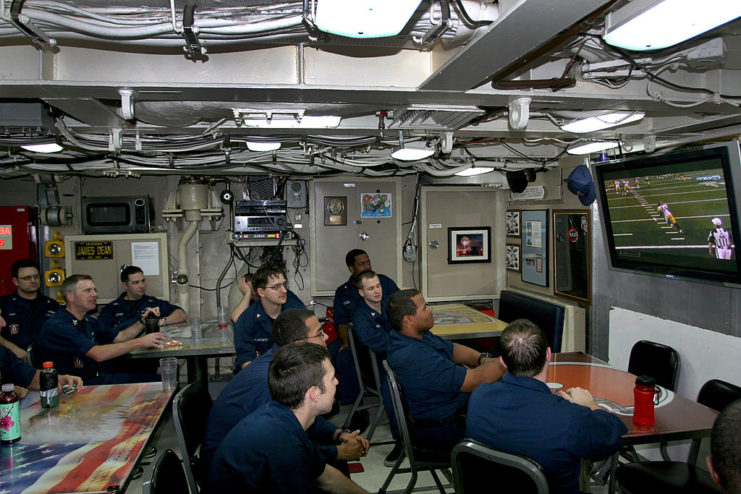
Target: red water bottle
{"points": [[643, 397]]}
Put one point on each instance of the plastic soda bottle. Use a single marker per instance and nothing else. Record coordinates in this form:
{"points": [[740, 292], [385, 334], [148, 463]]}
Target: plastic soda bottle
{"points": [[10, 415], [49, 384]]}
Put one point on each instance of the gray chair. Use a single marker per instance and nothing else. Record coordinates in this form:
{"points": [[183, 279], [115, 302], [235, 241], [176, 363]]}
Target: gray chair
{"points": [[656, 360], [190, 410], [168, 476], [548, 316], [419, 459], [677, 476], [370, 387], [478, 468], [660, 362]]}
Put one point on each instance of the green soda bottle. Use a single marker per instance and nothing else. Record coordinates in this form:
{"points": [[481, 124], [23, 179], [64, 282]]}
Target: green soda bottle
{"points": [[48, 385]]}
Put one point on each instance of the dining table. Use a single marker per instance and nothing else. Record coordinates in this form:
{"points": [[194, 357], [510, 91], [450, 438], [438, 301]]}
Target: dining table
{"points": [[91, 442], [677, 418], [216, 342], [461, 322]]}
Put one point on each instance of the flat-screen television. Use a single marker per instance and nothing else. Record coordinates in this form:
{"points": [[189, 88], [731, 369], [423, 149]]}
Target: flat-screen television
{"points": [[674, 214]]}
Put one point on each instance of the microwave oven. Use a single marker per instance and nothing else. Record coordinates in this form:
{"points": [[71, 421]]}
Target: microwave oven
{"points": [[124, 214]]}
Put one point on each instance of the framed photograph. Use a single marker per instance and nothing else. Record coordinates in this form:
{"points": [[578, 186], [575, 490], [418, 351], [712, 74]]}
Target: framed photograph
{"points": [[512, 222], [512, 257], [572, 276], [534, 262], [469, 244]]}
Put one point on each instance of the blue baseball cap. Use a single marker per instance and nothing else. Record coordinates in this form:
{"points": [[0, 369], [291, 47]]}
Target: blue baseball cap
{"points": [[580, 183]]}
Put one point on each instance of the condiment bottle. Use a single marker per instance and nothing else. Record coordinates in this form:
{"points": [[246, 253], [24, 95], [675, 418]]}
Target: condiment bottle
{"points": [[49, 384], [10, 415], [643, 397]]}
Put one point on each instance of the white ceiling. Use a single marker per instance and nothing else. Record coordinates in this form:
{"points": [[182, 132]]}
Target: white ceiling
{"points": [[111, 81]]}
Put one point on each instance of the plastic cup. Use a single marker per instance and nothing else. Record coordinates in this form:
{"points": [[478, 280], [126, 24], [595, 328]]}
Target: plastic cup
{"points": [[196, 329], [222, 315], [169, 372], [151, 325]]}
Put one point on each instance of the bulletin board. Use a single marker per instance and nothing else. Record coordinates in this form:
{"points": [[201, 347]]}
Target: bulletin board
{"points": [[534, 263]]}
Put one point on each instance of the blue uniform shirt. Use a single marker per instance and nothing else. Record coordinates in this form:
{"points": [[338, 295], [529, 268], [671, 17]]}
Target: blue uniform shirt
{"points": [[25, 318], [65, 340], [371, 327], [268, 451], [347, 299], [244, 394], [14, 370], [426, 371], [253, 331], [522, 415], [121, 313]]}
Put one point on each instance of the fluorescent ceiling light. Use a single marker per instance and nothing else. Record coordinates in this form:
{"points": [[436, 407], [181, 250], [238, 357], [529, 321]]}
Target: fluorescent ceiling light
{"points": [[665, 23], [364, 18], [49, 147], [592, 147], [476, 170], [600, 122], [263, 146], [305, 122], [413, 151]]}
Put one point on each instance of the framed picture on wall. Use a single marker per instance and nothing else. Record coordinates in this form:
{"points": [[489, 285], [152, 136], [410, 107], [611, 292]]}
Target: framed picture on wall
{"points": [[512, 222], [469, 244], [512, 257], [534, 262], [572, 255]]}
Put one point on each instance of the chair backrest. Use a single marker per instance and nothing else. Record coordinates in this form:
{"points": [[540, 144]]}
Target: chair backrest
{"points": [[190, 410], [656, 360], [168, 476], [478, 468], [718, 394], [548, 316], [365, 363], [401, 411]]}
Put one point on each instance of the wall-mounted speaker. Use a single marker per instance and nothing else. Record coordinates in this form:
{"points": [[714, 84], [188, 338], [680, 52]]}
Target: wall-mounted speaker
{"points": [[296, 195], [517, 181]]}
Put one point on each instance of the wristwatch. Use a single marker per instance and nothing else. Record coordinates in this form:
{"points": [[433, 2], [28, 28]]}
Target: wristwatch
{"points": [[484, 355]]}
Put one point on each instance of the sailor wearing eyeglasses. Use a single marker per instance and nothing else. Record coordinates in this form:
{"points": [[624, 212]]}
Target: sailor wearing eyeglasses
{"points": [[26, 309], [253, 329], [249, 390]]}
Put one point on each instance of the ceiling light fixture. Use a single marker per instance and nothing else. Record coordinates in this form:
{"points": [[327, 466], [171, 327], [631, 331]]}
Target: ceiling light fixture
{"points": [[364, 18], [306, 122], [475, 170], [600, 122], [413, 151], [644, 25], [263, 146], [283, 119], [47, 147], [592, 147]]}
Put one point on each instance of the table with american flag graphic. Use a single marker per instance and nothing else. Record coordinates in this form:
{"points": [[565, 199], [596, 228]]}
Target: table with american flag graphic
{"points": [[91, 442]]}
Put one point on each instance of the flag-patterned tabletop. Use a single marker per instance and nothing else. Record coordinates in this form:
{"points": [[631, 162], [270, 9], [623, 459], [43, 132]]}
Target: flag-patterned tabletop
{"points": [[89, 443]]}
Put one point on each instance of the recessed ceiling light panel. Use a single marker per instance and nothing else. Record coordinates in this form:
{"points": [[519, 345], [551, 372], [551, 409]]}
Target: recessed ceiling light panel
{"points": [[476, 170], [48, 147], [592, 147], [600, 122], [661, 24], [364, 18]]}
